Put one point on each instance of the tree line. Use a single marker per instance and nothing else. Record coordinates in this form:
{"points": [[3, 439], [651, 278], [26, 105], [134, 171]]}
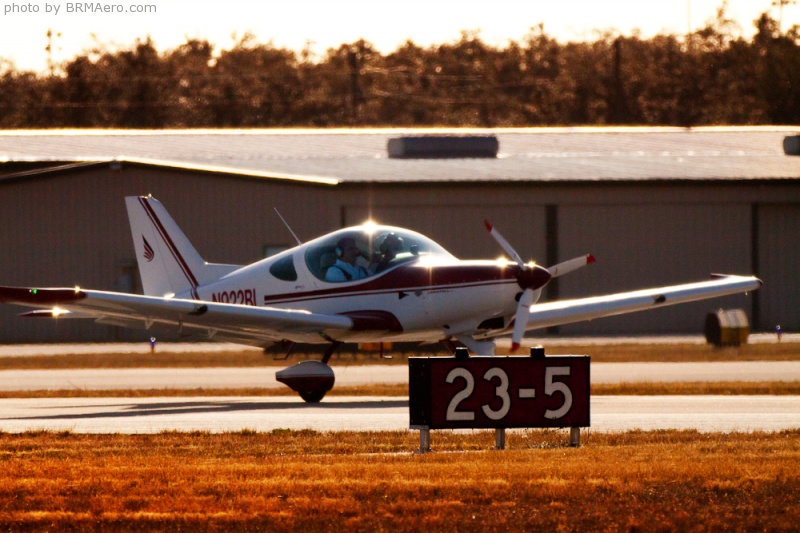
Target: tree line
{"points": [[708, 77]]}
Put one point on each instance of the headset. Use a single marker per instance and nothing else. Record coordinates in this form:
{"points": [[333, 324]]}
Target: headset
{"points": [[384, 247], [339, 250]]}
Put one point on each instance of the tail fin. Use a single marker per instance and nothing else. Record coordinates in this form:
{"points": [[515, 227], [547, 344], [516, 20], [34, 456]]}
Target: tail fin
{"points": [[168, 263]]}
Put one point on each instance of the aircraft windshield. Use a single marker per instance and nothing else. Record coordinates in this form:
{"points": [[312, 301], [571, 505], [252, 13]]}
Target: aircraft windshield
{"points": [[366, 251]]}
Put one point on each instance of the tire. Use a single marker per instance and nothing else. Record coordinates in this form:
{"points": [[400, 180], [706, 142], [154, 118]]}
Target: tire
{"points": [[313, 396]]}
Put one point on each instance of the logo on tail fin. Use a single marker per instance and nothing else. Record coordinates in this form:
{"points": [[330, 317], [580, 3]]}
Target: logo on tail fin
{"points": [[149, 254]]}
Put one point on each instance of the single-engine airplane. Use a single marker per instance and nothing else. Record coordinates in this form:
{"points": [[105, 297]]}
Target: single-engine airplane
{"points": [[367, 283]]}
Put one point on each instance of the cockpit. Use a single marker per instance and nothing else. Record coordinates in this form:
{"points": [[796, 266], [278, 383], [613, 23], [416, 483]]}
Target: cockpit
{"points": [[365, 251]]}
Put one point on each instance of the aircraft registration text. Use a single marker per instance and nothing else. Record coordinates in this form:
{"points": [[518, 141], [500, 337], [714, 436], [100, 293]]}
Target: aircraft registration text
{"points": [[240, 296]]}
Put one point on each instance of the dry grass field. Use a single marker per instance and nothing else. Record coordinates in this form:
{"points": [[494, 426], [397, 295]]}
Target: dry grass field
{"points": [[600, 353], [308, 481], [314, 481], [724, 388]]}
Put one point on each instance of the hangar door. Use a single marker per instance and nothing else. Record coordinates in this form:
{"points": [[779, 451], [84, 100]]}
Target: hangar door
{"points": [[779, 266], [460, 229]]}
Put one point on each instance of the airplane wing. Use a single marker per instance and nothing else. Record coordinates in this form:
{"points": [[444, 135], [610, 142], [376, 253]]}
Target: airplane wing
{"points": [[568, 311], [247, 324]]}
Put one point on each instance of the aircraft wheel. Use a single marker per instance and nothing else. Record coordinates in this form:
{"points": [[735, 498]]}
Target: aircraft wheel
{"points": [[315, 396]]}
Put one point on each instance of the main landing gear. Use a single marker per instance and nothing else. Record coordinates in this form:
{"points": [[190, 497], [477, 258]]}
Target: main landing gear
{"points": [[310, 379]]}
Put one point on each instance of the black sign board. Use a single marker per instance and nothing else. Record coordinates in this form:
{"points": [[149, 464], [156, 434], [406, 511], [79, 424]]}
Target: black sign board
{"points": [[499, 392]]}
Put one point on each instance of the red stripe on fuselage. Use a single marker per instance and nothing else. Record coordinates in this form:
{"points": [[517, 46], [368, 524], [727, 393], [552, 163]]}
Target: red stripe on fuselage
{"points": [[171, 245], [411, 277]]}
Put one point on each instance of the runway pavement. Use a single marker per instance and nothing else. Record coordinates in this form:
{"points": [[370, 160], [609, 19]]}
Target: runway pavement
{"points": [[217, 414]]}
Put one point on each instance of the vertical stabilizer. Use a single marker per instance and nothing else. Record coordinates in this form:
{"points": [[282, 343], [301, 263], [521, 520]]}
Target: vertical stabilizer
{"points": [[168, 263]]}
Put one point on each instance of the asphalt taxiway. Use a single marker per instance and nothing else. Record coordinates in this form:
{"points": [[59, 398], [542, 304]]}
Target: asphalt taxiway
{"points": [[149, 415], [218, 414]]}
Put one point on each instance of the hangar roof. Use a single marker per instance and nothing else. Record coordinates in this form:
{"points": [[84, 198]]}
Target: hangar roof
{"points": [[360, 155]]}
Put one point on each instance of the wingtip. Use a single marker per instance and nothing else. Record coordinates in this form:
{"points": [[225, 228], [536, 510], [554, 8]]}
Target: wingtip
{"points": [[35, 297], [590, 259], [718, 276], [515, 346], [488, 225]]}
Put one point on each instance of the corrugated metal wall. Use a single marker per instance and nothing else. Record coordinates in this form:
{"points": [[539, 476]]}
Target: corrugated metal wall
{"points": [[640, 246]]}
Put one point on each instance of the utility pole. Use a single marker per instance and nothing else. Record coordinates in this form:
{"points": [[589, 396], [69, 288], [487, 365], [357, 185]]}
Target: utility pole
{"points": [[353, 60], [51, 65]]}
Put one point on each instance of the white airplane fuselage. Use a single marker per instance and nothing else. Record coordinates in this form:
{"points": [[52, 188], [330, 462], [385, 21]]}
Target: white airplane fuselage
{"points": [[400, 294], [426, 297]]}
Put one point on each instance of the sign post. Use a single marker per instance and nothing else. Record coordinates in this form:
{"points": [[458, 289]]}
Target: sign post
{"points": [[498, 393]]}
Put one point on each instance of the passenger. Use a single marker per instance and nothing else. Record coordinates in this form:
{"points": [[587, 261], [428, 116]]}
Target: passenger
{"points": [[391, 246], [345, 267]]}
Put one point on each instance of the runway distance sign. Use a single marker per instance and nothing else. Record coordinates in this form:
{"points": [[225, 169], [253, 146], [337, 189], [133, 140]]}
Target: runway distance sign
{"points": [[499, 392]]}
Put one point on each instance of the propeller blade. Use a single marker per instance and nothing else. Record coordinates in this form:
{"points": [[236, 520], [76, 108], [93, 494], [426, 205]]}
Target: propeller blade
{"points": [[507, 248], [571, 265], [521, 320]]}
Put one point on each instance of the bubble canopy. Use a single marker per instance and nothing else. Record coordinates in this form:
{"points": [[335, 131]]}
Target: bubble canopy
{"points": [[380, 248]]}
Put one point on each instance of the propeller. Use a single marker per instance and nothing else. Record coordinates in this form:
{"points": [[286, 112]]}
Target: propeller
{"points": [[525, 301], [528, 293]]}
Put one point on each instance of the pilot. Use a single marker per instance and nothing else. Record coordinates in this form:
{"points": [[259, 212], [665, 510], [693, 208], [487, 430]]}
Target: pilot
{"points": [[345, 267], [391, 246]]}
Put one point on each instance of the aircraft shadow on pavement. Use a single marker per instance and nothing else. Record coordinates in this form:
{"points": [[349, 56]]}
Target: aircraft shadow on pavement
{"points": [[200, 406]]}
